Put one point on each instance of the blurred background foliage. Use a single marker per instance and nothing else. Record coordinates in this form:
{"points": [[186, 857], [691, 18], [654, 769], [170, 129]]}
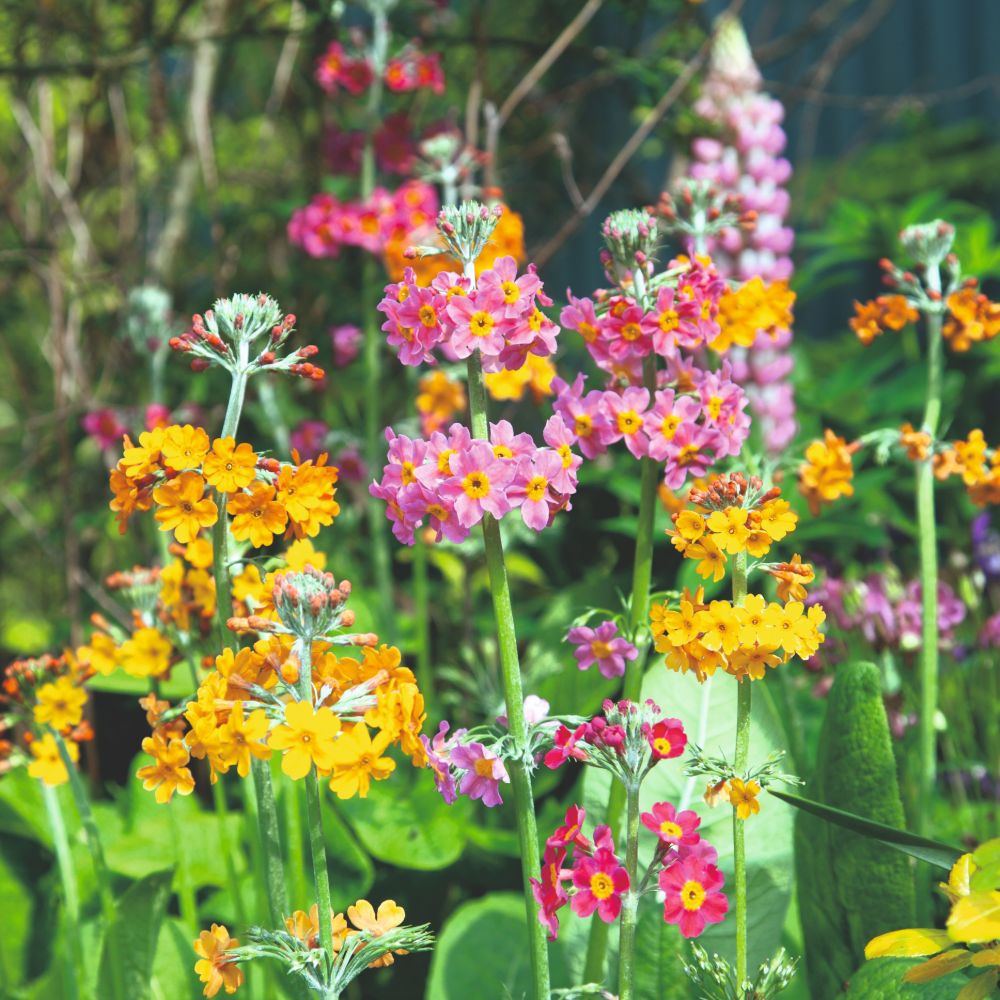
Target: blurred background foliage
{"points": [[169, 141]]}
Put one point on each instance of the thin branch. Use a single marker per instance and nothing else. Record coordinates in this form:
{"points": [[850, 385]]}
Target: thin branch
{"points": [[818, 21], [633, 144]]}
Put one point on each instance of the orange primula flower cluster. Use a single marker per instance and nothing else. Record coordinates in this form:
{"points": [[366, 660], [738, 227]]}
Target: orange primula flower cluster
{"points": [[731, 515], [535, 374], [176, 467], [751, 309], [245, 708], [887, 312], [305, 926], [743, 640], [827, 472], [978, 465], [439, 398], [971, 318], [42, 697]]}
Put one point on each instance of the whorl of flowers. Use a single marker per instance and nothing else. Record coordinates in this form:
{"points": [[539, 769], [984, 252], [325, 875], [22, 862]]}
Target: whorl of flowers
{"points": [[744, 157]]}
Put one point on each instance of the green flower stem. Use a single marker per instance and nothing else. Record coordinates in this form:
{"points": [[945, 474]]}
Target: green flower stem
{"points": [[263, 789], [630, 901], [372, 333], [740, 763], [102, 876], [71, 897], [185, 887], [421, 612], [519, 765], [232, 879], [642, 574], [314, 811], [927, 533], [296, 856]]}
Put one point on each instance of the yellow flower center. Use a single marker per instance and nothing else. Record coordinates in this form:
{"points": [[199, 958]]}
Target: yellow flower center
{"points": [[476, 485], [454, 290], [588, 331], [484, 768], [480, 324], [668, 320], [583, 425], [669, 829], [566, 455], [536, 488], [715, 407], [662, 746], [688, 454], [511, 293], [502, 451], [669, 426], [601, 650], [436, 510], [428, 315], [535, 320], [443, 464], [403, 294], [706, 308], [629, 422], [601, 885], [631, 331], [692, 895], [407, 473]]}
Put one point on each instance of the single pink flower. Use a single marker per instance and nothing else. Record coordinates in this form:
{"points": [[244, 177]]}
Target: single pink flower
{"points": [[483, 772], [672, 827], [693, 897], [600, 881], [603, 646]]}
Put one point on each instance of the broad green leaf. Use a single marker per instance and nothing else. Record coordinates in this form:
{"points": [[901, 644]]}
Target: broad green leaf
{"points": [[16, 904], [172, 976], [482, 951], [659, 973], [351, 870], [405, 822], [882, 979], [707, 711], [912, 942], [975, 918], [923, 849], [134, 932]]}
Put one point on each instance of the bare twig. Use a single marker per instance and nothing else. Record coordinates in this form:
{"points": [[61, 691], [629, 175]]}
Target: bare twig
{"points": [[283, 71], [818, 21], [565, 154], [630, 148], [128, 216]]}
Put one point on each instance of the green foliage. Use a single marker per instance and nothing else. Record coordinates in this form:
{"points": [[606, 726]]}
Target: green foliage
{"points": [[135, 931], [660, 951], [882, 979], [857, 887]]}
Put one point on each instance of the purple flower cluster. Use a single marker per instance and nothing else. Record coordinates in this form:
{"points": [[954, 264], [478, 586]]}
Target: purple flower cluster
{"points": [[744, 158], [603, 646]]}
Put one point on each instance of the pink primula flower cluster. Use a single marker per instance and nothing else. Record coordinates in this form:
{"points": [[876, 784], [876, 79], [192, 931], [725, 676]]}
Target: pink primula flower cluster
{"points": [[688, 429], [603, 646], [327, 224], [450, 481], [469, 769], [500, 317]]}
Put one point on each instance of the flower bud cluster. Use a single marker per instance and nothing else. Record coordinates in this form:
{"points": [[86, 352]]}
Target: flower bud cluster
{"points": [[700, 208], [310, 603]]}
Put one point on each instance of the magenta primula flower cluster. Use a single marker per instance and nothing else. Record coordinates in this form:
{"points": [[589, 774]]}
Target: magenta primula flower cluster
{"points": [[603, 646], [450, 481], [694, 417], [499, 317], [339, 69], [327, 224]]}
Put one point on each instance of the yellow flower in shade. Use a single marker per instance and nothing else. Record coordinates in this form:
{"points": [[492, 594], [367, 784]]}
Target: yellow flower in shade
{"points": [[681, 626], [307, 737], [535, 374], [241, 737], [305, 926], [60, 704], [257, 516], [229, 467], [127, 498], [199, 553], [301, 554], [357, 759], [183, 447], [48, 765], [146, 654], [711, 559], [201, 584], [758, 542], [743, 797], [216, 969], [100, 654], [729, 529], [439, 398], [752, 662], [242, 668], [308, 491], [362, 914], [184, 508], [168, 773], [827, 471]]}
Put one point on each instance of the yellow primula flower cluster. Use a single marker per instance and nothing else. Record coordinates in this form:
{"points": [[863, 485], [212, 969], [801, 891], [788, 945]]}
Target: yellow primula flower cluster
{"points": [[976, 464], [827, 472], [188, 477], [751, 309], [743, 640], [439, 398], [362, 915], [535, 374], [229, 723]]}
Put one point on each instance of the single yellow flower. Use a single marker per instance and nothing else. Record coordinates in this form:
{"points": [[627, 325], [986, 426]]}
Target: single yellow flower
{"points": [[743, 797], [307, 737], [48, 764], [60, 704], [357, 760]]}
